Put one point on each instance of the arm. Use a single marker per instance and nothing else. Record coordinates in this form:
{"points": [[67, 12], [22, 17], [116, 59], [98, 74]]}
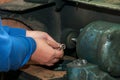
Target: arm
{"points": [[14, 51], [46, 52]]}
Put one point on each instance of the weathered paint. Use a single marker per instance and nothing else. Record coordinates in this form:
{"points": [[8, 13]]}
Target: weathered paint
{"points": [[85, 72], [99, 44]]}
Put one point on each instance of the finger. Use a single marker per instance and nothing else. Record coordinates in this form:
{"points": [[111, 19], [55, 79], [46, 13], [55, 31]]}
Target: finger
{"points": [[54, 60], [50, 38], [59, 53], [53, 44], [49, 64]]}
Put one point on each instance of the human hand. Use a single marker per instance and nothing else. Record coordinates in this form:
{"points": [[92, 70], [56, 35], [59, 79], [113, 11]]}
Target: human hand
{"points": [[43, 35], [45, 54], [47, 51]]}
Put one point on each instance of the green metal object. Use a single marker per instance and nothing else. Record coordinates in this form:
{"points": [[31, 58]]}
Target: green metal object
{"points": [[80, 70], [99, 43], [110, 4]]}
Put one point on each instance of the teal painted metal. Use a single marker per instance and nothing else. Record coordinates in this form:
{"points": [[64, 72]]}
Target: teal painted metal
{"points": [[99, 43], [87, 71]]}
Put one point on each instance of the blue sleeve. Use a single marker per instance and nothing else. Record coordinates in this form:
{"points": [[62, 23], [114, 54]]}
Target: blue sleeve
{"points": [[15, 51], [15, 31]]}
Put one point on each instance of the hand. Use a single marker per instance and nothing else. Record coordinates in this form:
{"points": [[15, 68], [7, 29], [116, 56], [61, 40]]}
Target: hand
{"points": [[43, 35], [47, 52]]}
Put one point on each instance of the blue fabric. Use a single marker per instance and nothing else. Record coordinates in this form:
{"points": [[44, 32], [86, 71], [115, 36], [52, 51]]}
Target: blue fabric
{"points": [[15, 48], [15, 31]]}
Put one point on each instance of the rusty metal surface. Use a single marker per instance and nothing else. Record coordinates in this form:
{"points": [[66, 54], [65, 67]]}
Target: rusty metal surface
{"points": [[26, 20], [18, 5], [42, 73], [14, 23]]}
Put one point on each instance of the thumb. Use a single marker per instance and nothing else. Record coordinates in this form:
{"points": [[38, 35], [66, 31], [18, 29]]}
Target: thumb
{"points": [[53, 44]]}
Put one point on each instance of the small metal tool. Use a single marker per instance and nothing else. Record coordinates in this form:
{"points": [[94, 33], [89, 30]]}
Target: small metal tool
{"points": [[62, 46]]}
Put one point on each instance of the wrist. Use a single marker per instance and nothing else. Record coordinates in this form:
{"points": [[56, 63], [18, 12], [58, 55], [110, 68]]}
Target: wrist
{"points": [[28, 33]]}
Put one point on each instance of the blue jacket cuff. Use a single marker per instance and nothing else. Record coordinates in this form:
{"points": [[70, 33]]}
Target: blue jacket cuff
{"points": [[15, 31]]}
